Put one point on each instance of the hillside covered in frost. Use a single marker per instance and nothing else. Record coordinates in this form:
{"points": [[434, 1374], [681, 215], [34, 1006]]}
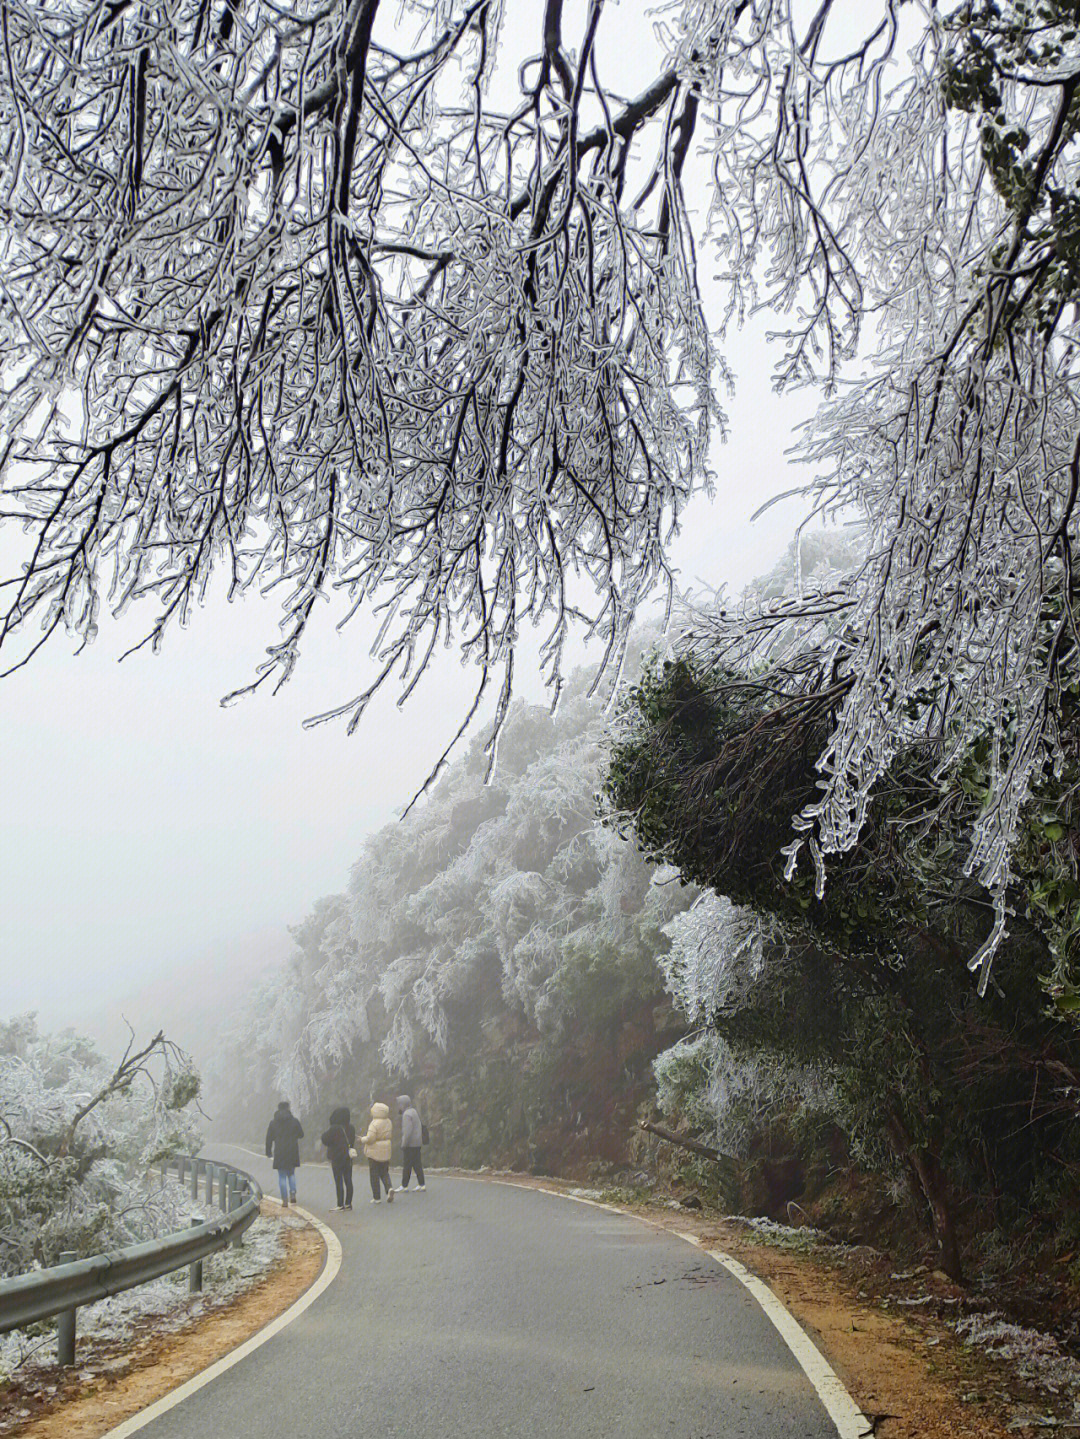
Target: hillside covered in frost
{"points": [[494, 952]]}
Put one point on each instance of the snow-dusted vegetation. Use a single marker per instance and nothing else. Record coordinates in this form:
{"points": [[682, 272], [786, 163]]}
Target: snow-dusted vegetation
{"points": [[436, 335], [81, 1140], [1036, 1355], [78, 1134], [493, 916], [846, 1011], [160, 1307], [414, 320]]}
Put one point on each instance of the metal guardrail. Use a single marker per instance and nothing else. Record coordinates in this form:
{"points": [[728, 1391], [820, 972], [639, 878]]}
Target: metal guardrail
{"points": [[63, 1288]]}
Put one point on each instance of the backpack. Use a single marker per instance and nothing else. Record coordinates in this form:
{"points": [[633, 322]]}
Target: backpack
{"points": [[425, 1138]]}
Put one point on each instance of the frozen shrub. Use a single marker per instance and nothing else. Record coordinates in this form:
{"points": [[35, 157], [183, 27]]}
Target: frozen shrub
{"points": [[77, 1135]]}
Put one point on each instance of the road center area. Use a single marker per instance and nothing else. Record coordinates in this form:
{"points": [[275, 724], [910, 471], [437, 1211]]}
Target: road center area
{"points": [[493, 1310]]}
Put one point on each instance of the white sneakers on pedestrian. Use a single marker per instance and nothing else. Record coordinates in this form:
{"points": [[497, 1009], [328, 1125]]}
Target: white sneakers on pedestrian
{"points": [[374, 1201]]}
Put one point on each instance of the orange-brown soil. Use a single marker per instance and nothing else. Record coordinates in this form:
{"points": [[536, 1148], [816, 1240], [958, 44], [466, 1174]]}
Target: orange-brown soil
{"points": [[114, 1381], [909, 1373]]}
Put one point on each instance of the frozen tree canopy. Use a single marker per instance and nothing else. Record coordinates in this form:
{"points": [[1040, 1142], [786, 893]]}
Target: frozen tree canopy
{"points": [[716, 952], [943, 199], [286, 295], [510, 889]]}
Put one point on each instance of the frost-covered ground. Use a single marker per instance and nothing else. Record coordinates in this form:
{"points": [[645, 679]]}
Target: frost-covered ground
{"points": [[1035, 1357], [1038, 1358], [164, 1305], [785, 1236]]}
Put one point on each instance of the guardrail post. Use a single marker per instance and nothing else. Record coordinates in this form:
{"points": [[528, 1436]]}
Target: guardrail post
{"points": [[237, 1201], [195, 1178], [181, 1169], [65, 1324], [194, 1274], [164, 1172], [209, 1182], [59, 1293]]}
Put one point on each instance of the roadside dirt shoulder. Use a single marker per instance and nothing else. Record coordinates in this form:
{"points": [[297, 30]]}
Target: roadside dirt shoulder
{"points": [[909, 1373], [120, 1380], [910, 1376]]}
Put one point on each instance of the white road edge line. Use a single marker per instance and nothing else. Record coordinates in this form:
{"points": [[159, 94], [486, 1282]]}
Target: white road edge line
{"points": [[850, 1421], [191, 1386]]}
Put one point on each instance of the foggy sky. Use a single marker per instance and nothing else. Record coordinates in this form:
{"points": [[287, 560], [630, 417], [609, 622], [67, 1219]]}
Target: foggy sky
{"points": [[146, 827]]}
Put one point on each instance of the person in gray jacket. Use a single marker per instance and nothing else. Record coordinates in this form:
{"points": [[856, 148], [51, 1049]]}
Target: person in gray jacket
{"points": [[412, 1138]]}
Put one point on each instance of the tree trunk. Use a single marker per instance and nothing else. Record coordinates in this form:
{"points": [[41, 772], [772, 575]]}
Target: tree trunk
{"points": [[694, 1145], [924, 1164]]}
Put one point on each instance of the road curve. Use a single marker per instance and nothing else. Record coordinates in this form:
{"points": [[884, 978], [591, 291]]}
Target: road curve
{"points": [[483, 1310]]}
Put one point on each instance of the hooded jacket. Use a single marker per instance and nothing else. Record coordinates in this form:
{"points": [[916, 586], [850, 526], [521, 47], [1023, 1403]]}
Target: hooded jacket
{"points": [[340, 1137], [283, 1138], [412, 1135], [380, 1132]]}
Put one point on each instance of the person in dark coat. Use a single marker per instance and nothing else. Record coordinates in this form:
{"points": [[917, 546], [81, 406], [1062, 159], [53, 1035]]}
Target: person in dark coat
{"points": [[339, 1141], [283, 1149]]}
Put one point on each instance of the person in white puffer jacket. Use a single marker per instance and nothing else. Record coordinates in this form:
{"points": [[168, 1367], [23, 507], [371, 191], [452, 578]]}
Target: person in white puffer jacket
{"points": [[376, 1143]]}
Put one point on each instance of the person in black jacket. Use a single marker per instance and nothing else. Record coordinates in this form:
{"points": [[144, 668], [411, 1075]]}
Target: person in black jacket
{"points": [[283, 1148], [339, 1140]]}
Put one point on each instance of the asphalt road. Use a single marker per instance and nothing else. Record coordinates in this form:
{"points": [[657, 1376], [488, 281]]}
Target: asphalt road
{"points": [[480, 1310]]}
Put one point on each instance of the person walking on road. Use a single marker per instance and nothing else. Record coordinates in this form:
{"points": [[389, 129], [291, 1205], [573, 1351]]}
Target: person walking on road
{"points": [[339, 1140], [412, 1138], [376, 1144], [283, 1149]]}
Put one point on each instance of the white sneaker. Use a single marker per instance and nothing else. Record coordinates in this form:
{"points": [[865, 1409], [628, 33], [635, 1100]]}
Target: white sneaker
{"points": [[374, 1201], [419, 1188]]}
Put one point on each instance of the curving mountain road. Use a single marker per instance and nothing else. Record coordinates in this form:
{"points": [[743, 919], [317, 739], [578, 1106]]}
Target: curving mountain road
{"points": [[480, 1309]]}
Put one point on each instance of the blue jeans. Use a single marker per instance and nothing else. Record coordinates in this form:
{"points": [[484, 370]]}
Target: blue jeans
{"points": [[286, 1179]]}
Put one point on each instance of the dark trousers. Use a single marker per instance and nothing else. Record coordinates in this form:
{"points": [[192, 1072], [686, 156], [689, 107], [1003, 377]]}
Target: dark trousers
{"points": [[410, 1161], [379, 1174], [342, 1179]]}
